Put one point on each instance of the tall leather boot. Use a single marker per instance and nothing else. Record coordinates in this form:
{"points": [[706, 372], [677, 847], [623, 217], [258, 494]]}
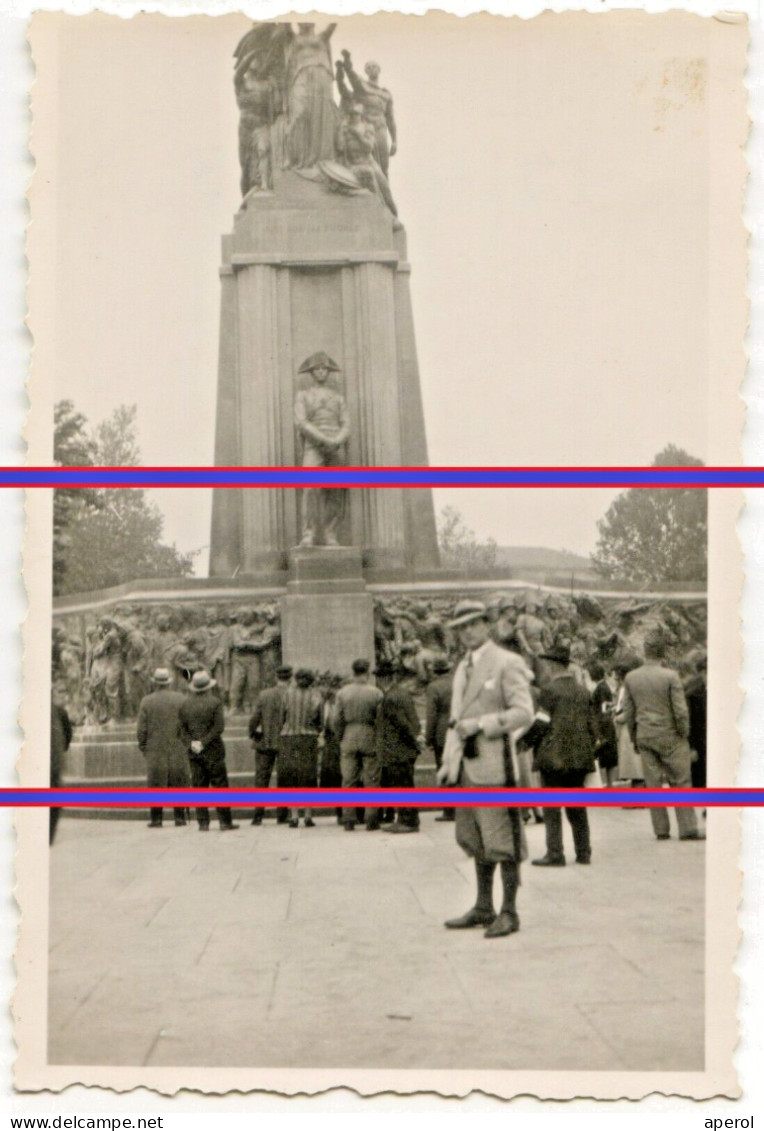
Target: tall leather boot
{"points": [[483, 912], [507, 921]]}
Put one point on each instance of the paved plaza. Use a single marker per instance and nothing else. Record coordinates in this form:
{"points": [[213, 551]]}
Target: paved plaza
{"points": [[275, 947]]}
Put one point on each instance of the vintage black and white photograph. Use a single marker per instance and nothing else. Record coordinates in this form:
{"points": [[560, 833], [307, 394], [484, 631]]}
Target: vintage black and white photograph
{"points": [[384, 241]]}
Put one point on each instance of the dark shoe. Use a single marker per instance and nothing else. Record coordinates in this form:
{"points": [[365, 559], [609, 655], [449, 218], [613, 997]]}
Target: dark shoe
{"points": [[179, 824], [475, 917], [696, 835], [373, 828], [350, 826], [549, 861], [505, 923], [256, 821], [204, 828], [446, 817], [228, 828], [294, 824], [402, 829], [154, 825], [310, 823], [663, 836], [583, 860]]}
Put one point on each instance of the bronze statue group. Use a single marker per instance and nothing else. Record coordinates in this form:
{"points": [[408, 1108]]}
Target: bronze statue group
{"points": [[284, 86]]}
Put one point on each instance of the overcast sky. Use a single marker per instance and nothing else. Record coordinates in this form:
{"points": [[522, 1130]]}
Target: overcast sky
{"points": [[553, 178]]}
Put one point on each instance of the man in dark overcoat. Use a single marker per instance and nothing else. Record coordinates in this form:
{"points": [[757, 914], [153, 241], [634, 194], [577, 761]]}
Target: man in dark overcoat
{"points": [[398, 738], [161, 743], [265, 725], [565, 753], [202, 722], [438, 704]]}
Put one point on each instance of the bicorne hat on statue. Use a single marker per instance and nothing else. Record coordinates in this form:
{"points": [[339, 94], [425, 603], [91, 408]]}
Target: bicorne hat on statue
{"points": [[319, 360]]}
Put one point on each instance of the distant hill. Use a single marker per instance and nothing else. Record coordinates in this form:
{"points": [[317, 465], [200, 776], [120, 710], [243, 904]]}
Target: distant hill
{"points": [[541, 558]]}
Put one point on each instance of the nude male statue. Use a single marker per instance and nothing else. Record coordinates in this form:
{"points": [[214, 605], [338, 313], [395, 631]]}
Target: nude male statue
{"points": [[377, 104]]}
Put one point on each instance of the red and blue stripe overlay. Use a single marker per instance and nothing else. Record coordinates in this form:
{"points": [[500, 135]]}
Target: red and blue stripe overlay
{"points": [[382, 477], [421, 798]]}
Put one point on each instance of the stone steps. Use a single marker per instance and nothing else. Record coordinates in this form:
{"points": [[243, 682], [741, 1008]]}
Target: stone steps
{"points": [[424, 776]]}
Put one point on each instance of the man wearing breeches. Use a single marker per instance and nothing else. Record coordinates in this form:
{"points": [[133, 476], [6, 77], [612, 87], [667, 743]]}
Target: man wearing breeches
{"points": [[491, 702]]}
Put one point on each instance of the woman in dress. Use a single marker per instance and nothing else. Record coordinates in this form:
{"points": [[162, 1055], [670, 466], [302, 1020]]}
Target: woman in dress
{"points": [[312, 112]]}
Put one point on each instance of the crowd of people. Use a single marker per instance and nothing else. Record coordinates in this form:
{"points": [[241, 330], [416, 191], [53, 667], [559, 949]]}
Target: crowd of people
{"points": [[501, 696]]}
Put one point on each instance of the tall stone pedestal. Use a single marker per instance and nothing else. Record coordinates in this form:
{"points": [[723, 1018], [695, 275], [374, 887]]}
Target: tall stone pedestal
{"points": [[304, 270], [327, 615]]}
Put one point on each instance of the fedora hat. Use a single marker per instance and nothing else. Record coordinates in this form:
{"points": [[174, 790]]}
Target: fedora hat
{"points": [[161, 677], [202, 681], [320, 360], [466, 612], [559, 654]]}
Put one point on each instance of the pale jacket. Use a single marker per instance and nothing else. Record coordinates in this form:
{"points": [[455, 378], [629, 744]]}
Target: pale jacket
{"points": [[497, 692], [654, 705]]}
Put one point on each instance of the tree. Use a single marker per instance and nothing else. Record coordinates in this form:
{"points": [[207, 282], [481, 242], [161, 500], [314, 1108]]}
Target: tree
{"points": [[655, 535], [459, 548], [72, 447], [109, 535]]}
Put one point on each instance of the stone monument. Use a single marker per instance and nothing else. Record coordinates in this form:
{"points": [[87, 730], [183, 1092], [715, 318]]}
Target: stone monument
{"points": [[318, 361], [316, 265]]}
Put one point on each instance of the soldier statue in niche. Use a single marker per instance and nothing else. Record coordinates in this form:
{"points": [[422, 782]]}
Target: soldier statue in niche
{"points": [[323, 428]]}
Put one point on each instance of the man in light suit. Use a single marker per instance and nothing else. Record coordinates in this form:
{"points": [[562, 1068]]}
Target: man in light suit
{"points": [[491, 702], [655, 712]]}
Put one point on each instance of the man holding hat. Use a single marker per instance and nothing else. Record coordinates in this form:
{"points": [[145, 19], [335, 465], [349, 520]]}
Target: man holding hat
{"points": [[565, 753], [491, 702], [264, 730], [202, 721], [160, 742], [438, 704]]}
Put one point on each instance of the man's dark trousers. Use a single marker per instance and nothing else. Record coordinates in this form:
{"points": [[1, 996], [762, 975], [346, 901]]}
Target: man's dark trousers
{"points": [[265, 764], [578, 817], [400, 775], [208, 772]]}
